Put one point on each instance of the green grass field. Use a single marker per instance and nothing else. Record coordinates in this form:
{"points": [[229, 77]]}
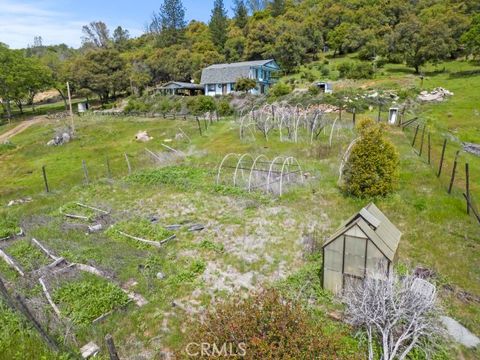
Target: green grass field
{"points": [[249, 239]]}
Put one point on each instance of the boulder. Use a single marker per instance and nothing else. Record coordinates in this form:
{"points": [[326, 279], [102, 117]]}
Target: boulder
{"points": [[143, 136]]}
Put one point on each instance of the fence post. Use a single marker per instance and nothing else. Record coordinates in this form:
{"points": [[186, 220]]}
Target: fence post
{"points": [[354, 116], [429, 149], [26, 312], [453, 172], [216, 115], [467, 186], [442, 158], [128, 164], [422, 141], [379, 113], [199, 125], [415, 137], [45, 179], [109, 172], [112, 350], [85, 171]]}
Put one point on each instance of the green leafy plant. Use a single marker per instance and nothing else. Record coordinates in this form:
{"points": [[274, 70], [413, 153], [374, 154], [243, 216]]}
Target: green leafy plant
{"points": [[141, 228], [89, 297], [372, 168], [356, 70], [8, 226], [28, 256], [280, 89], [245, 85]]}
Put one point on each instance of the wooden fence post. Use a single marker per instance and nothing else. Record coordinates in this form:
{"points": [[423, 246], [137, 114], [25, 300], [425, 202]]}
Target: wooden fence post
{"points": [[6, 296], [128, 164], [467, 186], [26, 312], [199, 125], [442, 158], [45, 179], [429, 149], [453, 172], [354, 116], [422, 141], [85, 171], [109, 171], [415, 137], [379, 113], [112, 350]]}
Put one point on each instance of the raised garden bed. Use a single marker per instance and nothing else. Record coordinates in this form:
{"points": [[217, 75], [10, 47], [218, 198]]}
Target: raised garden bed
{"points": [[28, 256], [9, 228], [141, 231], [87, 297]]}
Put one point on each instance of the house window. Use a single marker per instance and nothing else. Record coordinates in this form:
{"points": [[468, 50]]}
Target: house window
{"points": [[232, 86], [211, 87]]}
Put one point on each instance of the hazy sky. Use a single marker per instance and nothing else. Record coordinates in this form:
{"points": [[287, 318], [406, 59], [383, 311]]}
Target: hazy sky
{"points": [[61, 21]]}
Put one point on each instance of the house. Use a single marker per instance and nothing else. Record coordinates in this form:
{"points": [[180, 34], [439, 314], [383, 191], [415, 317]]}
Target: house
{"points": [[365, 243], [180, 88], [220, 79]]}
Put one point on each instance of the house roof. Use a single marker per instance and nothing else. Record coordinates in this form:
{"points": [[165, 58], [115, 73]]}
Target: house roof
{"points": [[376, 226], [230, 73], [180, 85]]}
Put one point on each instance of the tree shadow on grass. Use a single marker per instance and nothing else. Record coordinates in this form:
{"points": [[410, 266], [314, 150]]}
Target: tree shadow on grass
{"points": [[465, 73]]}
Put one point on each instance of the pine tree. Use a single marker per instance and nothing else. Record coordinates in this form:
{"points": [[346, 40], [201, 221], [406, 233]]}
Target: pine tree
{"points": [[218, 25], [169, 22], [240, 13], [277, 7]]}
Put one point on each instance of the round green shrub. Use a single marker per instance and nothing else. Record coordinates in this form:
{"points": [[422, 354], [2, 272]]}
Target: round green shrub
{"points": [[280, 89], [372, 168]]}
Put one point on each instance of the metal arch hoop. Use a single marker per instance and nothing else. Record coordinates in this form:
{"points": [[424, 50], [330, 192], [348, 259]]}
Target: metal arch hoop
{"points": [[252, 169], [221, 165], [238, 166], [289, 161], [270, 170]]}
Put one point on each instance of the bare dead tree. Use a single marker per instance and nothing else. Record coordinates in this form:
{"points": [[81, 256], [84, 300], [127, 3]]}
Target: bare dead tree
{"points": [[399, 312]]}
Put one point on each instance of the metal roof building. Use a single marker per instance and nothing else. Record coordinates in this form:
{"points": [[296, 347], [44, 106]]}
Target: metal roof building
{"points": [[180, 88], [365, 243]]}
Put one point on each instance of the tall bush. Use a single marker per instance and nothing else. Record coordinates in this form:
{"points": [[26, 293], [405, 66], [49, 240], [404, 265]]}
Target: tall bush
{"points": [[264, 326], [372, 167]]}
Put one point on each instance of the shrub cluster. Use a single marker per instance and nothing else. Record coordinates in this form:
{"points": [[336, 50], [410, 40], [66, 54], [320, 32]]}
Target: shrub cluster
{"points": [[264, 326], [372, 168], [356, 70]]}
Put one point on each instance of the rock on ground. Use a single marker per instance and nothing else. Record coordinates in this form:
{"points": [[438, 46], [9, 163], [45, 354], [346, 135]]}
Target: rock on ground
{"points": [[459, 333]]}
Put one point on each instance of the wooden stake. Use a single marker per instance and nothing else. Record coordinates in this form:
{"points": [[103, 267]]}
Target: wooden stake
{"points": [[469, 203], [467, 186], [111, 347], [6, 296], [85, 171], [199, 125], [354, 116], [442, 158], [47, 189], [415, 137], [429, 149], [26, 312], [454, 171], [128, 164], [109, 172], [70, 107], [421, 143]]}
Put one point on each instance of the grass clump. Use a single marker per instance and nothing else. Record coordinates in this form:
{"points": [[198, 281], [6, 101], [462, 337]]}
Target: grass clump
{"points": [[188, 273], [89, 297], [8, 226], [141, 228], [28, 256]]}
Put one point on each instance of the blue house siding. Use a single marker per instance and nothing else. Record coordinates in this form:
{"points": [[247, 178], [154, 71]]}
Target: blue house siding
{"points": [[220, 79]]}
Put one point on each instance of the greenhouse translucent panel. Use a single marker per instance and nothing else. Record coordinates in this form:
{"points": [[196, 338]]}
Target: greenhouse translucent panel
{"points": [[355, 256], [332, 280], [376, 262], [334, 255]]}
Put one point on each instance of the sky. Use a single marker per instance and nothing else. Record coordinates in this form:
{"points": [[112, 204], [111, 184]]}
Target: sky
{"points": [[61, 21]]}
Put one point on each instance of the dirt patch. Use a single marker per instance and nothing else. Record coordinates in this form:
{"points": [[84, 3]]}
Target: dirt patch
{"points": [[24, 125]]}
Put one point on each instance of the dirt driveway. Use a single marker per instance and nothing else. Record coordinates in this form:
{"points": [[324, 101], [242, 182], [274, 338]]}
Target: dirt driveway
{"points": [[21, 127]]}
